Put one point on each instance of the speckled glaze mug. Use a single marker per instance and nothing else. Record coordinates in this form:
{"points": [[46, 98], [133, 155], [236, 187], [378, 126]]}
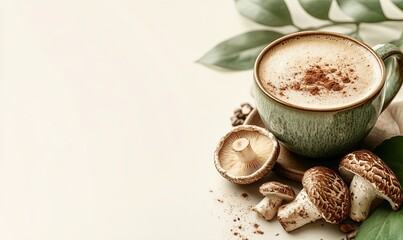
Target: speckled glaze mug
{"points": [[326, 132]]}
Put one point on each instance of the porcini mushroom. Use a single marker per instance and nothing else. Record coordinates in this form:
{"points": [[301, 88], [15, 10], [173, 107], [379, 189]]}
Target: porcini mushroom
{"points": [[324, 195], [246, 154], [370, 178], [274, 193]]}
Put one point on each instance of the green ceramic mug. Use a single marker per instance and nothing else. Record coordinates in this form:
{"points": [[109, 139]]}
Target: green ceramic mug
{"points": [[320, 93]]}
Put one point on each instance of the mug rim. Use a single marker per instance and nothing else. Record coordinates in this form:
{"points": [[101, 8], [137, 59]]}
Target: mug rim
{"points": [[362, 101]]}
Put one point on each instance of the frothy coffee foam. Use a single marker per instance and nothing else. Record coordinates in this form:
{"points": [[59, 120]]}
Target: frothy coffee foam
{"points": [[319, 71]]}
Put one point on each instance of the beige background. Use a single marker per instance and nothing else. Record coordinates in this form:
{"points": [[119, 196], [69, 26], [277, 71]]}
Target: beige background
{"points": [[109, 125]]}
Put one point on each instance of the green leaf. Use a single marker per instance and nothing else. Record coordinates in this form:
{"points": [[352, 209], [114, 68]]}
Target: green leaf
{"points": [[363, 10], [398, 3], [239, 52], [391, 151], [266, 12], [383, 224], [398, 42], [318, 9]]}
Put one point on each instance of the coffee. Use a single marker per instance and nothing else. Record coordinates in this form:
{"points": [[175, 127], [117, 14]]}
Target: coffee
{"points": [[319, 71]]}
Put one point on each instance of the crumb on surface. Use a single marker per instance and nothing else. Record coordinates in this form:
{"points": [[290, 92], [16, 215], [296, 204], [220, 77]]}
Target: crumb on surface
{"points": [[259, 232]]}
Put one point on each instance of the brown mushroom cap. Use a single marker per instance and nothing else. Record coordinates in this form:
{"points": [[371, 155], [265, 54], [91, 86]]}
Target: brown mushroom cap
{"points": [[328, 192], [373, 169], [278, 189], [262, 142]]}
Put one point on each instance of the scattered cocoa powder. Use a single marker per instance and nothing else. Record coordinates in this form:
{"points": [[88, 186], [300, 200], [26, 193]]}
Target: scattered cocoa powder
{"points": [[259, 232], [271, 85], [346, 79], [296, 86], [346, 228], [332, 85], [313, 90], [237, 208], [316, 79]]}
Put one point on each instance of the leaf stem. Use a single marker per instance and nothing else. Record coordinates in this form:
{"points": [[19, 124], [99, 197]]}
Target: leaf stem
{"points": [[393, 20], [337, 23], [387, 20], [343, 22], [324, 26]]}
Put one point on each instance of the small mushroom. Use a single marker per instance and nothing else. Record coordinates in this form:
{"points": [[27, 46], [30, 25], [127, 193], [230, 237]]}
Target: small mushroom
{"points": [[246, 154], [370, 178], [324, 195], [274, 193]]}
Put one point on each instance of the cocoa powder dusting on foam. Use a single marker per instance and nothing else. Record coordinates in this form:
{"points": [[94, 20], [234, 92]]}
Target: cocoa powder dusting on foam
{"points": [[317, 79]]}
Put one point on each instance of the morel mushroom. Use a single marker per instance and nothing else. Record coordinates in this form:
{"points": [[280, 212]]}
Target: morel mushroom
{"points": [[246, 154], [274, 193], [324, 195], [370, 178]]}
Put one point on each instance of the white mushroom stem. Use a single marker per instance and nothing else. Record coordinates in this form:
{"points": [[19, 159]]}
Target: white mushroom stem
{"points": [[362, 195], [244, 150], [297, 213], [267, 208]]}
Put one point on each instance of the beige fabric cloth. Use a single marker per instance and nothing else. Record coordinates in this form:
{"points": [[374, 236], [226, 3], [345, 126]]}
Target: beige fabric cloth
{"points": [[389, 124]]}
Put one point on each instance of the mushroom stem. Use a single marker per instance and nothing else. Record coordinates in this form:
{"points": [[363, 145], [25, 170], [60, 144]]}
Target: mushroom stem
{"points": [[244, 150], [362, 195], [268, 207], [297, 213]]}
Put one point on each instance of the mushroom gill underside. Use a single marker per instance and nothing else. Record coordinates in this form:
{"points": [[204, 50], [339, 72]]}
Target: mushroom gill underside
{"points": [[230, 161]]}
